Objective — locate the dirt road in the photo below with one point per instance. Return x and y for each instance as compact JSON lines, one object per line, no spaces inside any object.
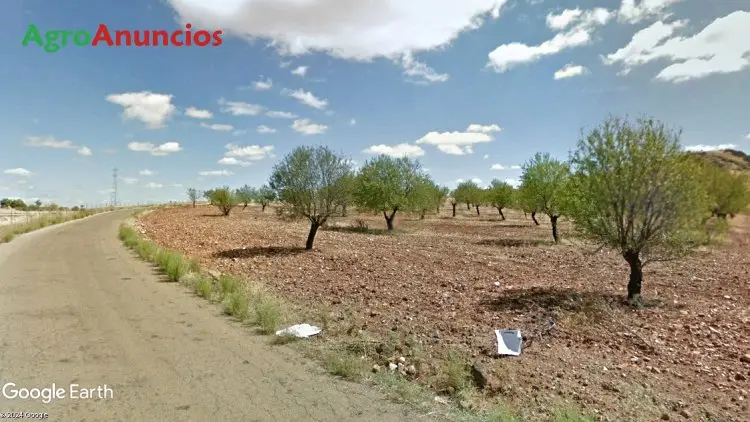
{"x":77,"y":308}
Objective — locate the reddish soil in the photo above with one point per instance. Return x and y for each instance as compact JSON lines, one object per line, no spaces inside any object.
{"x":449,"y":282}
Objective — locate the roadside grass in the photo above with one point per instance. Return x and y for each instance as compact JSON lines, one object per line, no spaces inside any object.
{"x":9,"y":232}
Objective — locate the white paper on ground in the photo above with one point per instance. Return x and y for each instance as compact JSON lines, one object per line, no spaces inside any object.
{"x":509,"y":342}
{"x":299,"y":330}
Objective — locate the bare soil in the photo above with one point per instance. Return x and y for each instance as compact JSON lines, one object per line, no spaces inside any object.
{"x":447,"y":283}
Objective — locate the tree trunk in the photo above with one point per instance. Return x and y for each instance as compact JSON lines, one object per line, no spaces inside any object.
{"x":533,"y":217}
{"x":500,"y":210}
{"x":263,"y":208}
{"x":244,"y":206}
{"x":477,"y":206}
{"x":553,"y":219}
{"x":311,"y":236}
{"x":525,"y":215}
{"x":421,"y":215}
{"x":193,"y":204}
{"x":636,"y":275}
{"x":468,"y":206}
{"x":454,"y":210}
{"x":343,"y":211}
{"x":389,"y":219}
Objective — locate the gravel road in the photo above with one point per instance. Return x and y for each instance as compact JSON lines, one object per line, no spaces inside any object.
{"x":77,"y":308}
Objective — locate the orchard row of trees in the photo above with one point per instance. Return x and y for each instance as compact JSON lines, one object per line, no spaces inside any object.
{"x":628,"y":186}
{"x":19,"y":204}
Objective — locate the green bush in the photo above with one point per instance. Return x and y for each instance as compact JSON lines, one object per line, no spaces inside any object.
{"x":267,"y":314}
{"x":237,"y":306}
{"x":227,"y":285}
{"x":203,"y":287}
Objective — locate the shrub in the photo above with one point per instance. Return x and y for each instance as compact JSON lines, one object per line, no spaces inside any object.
{"x":227,"y":285}
{"x":203,"y":287}
{"x":223,"y":199}
{"x":344,"y":365}
{"x":267,"y":314}
{"x":7,"y":237}
{"x":237,"y":306}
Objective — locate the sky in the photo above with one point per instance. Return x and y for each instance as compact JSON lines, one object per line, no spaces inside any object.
{"x":471,"y":88}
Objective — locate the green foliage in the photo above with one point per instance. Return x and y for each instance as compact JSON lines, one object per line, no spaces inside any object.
{"x":237,"y":306}
{"x":222,"y":198}
{"x":17,"y":204}
{"x":500,"y":194}
{"x":469,"y":193}
{"x":227,"y":285}
{"x":634,"y":189}
{"x":387,"y":184}
{"x":265,"y":195}
{"x":245,"y":195}
{"x":193,"y":195}
{"x":203,"y":287}
{"x":543,"y":184}
{"x":310,"y":181}
{"x":729,"y":193}
{"x":426,"y":195}
{"x":267,"y":314}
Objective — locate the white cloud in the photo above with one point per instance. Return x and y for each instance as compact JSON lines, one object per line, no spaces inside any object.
{"x":18,"y":172}
{"x":400,"y":150}
{"x":475,"y":128}
{"x":460,"y":143}
{"x":150,"y":108}
{"x":580,"y":33}
{"x":564,"y":19}
{"x":129,"y":180}
{"x":158,"y":150}
{"x":238,"y":108}
{"x":239,"y":132}
{"x":345,"y":29}
{"x":513,"y":182}
{"x":216,"y":173}
{"x":153,"y":185}
{"x":146,"y":172}
{"x":721,"y":47}
{"x":231,"y":161}
{"x":250,"y":152}
{"x":281,"y":115}
{"x":570,"y":70}
{"x":631,"y":12}
{"x":51,"y":142}
{"x":705,"y":148}
{"x":502,"y":167}
{"x":218,"y":127}
{"x":424,"y":74}
{"x":477,"y":180}
{"x":263,"y":85}
{"x":197,"y":113}
{"x":352,"y":122}
{"x":307,"y":98}
{"x":306,"y":127}
{"x":486,"y":156}
{"x":300,"y":71}
{"x":265,"y":129}
{"x":748,"y":136}
{"x":176,"y":185}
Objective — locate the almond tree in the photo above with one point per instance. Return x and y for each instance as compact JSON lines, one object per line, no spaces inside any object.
{"x":265,"y":195}
{"x":222,"y":198}
{"x":245,"y":195}
{"x":729,"y":193}
{"x":193,"y":195}
{"x":385,"y":184}
{"x":500,"y":195}
{"x":634,"y":190}
{"x":309,"y":181}
{"x":543,"y":183}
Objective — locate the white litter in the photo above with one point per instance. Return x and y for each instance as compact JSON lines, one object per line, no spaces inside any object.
{"x":299,"y":330}
{"x":509,"y":342}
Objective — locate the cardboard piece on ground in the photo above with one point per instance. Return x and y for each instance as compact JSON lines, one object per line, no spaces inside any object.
{"x":509,"y":342}
{"x":299,"y":330}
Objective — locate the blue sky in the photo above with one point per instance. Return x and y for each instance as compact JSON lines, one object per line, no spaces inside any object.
{"x":462,"y":86}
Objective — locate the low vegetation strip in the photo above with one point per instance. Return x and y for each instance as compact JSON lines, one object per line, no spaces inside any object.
{"x":10,"y":231}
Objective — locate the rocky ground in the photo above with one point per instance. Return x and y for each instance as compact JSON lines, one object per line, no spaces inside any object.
{"x":446,"y":283}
